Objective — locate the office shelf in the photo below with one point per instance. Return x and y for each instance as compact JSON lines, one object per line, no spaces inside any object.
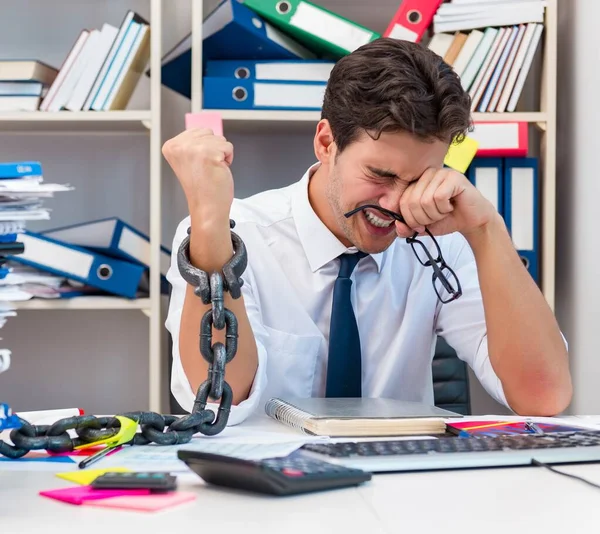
{"x":75,"y":121}
{"x":286,"y":118}
{"x":84,"y":303}
{"x":525,"y":116}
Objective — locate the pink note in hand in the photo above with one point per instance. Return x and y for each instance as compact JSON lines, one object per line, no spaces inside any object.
{"x":147,"y":503}
{"x":205,"y":119}
{"x":83,"y":494}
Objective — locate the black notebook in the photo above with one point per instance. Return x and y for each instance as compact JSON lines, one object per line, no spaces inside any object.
{"x":359,"y":416}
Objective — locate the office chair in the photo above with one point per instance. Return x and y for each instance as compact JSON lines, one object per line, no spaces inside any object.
{"x":450,"y":380}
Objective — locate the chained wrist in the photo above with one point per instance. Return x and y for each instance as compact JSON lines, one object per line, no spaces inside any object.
{"x":210,"y":287}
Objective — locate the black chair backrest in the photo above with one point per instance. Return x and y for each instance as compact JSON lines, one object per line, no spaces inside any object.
{"x":450,"y":380}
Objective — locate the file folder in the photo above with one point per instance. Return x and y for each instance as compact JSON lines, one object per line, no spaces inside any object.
{"x":521,"y":209}
{"x":487,"y":175}
{"x":412,"y":19}
{"x":113,"y":237}
{"x":303,"y":70}
{"x":230,"y":31}
{"x":20,"y":169}
{"x":102,"y":272}
{"x":324,"y":32}
{"x":231,"y":93}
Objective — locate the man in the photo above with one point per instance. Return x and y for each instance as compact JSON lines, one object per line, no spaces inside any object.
{"x":390,"y":111}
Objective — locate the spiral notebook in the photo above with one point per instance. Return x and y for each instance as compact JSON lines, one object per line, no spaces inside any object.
{"x":340,"y":417}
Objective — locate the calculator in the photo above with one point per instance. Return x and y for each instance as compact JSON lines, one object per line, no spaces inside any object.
{"x":154,"y":481}
{"x":275,"y":476}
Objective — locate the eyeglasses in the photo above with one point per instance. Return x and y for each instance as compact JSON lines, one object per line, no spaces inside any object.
{"x":444,"y":279}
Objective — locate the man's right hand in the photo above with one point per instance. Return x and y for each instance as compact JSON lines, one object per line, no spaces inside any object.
{"x":201,"y":163}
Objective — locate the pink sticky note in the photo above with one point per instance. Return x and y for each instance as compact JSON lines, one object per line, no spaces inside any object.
{"x":82,"y":494}
{"x":146,"y":503}
{"x":205,"y":119}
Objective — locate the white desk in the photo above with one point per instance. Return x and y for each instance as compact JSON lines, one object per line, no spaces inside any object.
{"x":513,"y":500}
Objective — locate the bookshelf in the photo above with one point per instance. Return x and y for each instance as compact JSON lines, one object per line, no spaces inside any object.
{"x":115,"y":123}
{"x":76,"y":121}
{"x":544,"y":120}
{"x":86,"y":303}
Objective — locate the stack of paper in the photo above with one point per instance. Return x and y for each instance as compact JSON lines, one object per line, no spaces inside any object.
{"x":22,"y":194}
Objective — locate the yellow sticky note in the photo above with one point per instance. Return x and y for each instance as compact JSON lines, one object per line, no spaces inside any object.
{"x":460,"y":155}
{"x":86,"y":476}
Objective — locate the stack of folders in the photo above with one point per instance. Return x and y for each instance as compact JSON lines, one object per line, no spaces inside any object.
{"x":100,"y":257}
{"x":264,"y":54}
{"x":102,"y":68}
{"x":491,"y":45}
{"x":508,"y":178}
{"x":22,"y":194}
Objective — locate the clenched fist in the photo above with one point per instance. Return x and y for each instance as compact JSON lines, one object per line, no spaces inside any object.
{"x":201,"y":163}
{"x":444,"y":201}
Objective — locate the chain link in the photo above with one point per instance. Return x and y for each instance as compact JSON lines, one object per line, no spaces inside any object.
{"x":154,"y":427}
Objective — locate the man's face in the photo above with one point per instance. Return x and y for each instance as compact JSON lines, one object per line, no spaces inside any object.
{"x":377,"y":172}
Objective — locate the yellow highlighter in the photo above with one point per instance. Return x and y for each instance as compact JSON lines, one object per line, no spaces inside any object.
{"x":460,"y":155}
{"x":124,"y":436}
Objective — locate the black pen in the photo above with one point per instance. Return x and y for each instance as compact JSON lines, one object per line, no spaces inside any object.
{"x":98,"y":456}
{"x":530,"y":425}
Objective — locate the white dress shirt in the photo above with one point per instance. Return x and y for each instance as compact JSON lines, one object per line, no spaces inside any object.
{"x":288,"y":291}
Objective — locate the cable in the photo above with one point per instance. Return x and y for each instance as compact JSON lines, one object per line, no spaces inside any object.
{"x":554,"y":470}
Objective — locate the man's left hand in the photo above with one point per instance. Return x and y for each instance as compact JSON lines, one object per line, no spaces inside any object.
{"x":444,"y":201}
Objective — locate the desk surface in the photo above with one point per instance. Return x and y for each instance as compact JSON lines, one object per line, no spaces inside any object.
{"x":528,"y":499}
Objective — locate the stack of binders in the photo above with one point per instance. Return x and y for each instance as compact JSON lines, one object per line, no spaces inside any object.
{"x":102,"y":257}
{"x":265,"y":54}
{"x":509,"y":179}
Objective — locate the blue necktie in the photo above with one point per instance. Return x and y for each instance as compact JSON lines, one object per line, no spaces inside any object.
{"x":344,"y":375}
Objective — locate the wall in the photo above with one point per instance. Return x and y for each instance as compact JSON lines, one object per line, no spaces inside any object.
{"x":578,"y":285}
{"x":98,"y":359}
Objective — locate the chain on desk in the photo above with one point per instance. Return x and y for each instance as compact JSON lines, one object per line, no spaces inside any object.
{"x":157,"y":428}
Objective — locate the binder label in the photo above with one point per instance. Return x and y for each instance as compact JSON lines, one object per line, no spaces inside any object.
{"x":522,"y":202}
{"x":56,"y":256}
{"x":400,"y":32}
{"x":486,"y":181}
{"x":329,"y":27}
{"x":286,"y":95}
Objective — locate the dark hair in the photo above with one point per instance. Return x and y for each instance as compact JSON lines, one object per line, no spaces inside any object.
{"x":391,"y":85}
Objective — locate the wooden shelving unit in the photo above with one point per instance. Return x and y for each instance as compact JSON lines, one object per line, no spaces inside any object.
{"x":77,"y":121}
{"x":86,"y":303}
{"x":146,"y":122}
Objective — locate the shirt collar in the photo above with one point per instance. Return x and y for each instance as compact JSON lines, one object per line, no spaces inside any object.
{"x":318,"y":242}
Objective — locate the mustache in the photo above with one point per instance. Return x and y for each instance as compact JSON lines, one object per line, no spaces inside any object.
{"x":389,"y":213}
